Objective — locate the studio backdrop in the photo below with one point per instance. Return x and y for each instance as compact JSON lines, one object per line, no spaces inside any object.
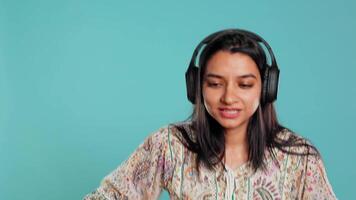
{"x":82,"y":83}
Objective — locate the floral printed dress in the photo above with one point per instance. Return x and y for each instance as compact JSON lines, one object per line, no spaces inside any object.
{"x":162,"y":162}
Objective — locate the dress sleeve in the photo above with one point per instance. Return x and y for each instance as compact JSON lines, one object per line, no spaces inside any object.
{"x":142,"y":175}
{"x":316,"y":183}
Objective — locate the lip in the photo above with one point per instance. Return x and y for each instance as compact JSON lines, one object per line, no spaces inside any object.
{"x":229,"y":108}
{"x":223,"y":112}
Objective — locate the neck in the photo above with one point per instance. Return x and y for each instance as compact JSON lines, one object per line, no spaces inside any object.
{"x":236,"y":147}
{"x":236,"y":139}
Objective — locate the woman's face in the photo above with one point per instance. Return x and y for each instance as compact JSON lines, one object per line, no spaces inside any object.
{"x":231,"y":89}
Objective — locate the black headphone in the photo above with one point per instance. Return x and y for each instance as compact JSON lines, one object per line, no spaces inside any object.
{"x":270,"y":75}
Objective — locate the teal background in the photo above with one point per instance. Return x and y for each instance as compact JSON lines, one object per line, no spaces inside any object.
{"x":84,"y":82}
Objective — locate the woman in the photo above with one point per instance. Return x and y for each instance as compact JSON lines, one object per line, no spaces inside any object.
{"x":232,"y":146}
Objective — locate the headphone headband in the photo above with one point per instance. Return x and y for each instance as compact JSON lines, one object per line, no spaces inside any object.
{"x":218,"y":34}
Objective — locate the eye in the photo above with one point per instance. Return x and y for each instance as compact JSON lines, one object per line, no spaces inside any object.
{"x":246,"y":86}
{"x":214,"y":85}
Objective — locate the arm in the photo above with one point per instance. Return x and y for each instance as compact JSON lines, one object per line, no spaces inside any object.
{"x":316,"y":183}
{"x":142,"y":175}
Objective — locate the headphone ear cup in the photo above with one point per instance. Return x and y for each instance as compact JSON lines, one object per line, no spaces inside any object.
{"x":265,"y":85}
{"x":270,"y":84}
{"x":191,"y":76}
{"x":273,"y":79}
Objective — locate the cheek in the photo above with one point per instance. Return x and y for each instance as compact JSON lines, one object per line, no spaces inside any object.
{"x":208,"y":95}
{"x":209,"y":98}
{"x":254,"y":105}
{"x":254,"y":101}
{"x":208,"y":107}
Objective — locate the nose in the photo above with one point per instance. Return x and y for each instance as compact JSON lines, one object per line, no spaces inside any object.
{"x":230,"y":95}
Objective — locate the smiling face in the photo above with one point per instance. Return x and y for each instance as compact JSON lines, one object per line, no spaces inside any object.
{"x":231,"y":89}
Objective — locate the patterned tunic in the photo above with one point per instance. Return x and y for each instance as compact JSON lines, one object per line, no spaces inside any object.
{"x":162,"y":162}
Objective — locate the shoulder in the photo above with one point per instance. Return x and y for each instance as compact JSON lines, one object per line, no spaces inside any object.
{"x":287,"y":134}
{"x":166,"y":138}
{"x":294,"y":152}
{"x":169,"y":133}
{"x":302,"y":166}
{"x":295,"y":143}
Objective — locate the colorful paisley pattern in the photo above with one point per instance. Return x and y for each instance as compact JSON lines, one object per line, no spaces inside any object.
{"x":161,"y":162}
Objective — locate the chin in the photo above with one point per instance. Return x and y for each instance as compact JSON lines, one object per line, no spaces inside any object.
{"x":231,"y":123}
{"x":228,"y":123}
{"x":230,"y":126}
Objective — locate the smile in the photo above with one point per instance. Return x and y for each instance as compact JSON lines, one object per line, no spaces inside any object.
{"x":229,"y":113}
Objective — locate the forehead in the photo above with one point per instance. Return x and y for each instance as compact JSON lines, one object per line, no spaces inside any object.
{"x":227,"y":64}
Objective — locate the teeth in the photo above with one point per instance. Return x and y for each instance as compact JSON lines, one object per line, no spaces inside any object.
{"x":231,"y":111}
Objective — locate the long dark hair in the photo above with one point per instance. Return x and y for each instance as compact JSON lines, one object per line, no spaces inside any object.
{"x":205,"y":136}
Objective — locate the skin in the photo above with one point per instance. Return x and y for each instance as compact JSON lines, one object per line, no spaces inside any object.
{"x":232,"y":80}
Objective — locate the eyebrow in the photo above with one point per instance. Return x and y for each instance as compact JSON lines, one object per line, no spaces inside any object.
{"x":221,"y":77}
